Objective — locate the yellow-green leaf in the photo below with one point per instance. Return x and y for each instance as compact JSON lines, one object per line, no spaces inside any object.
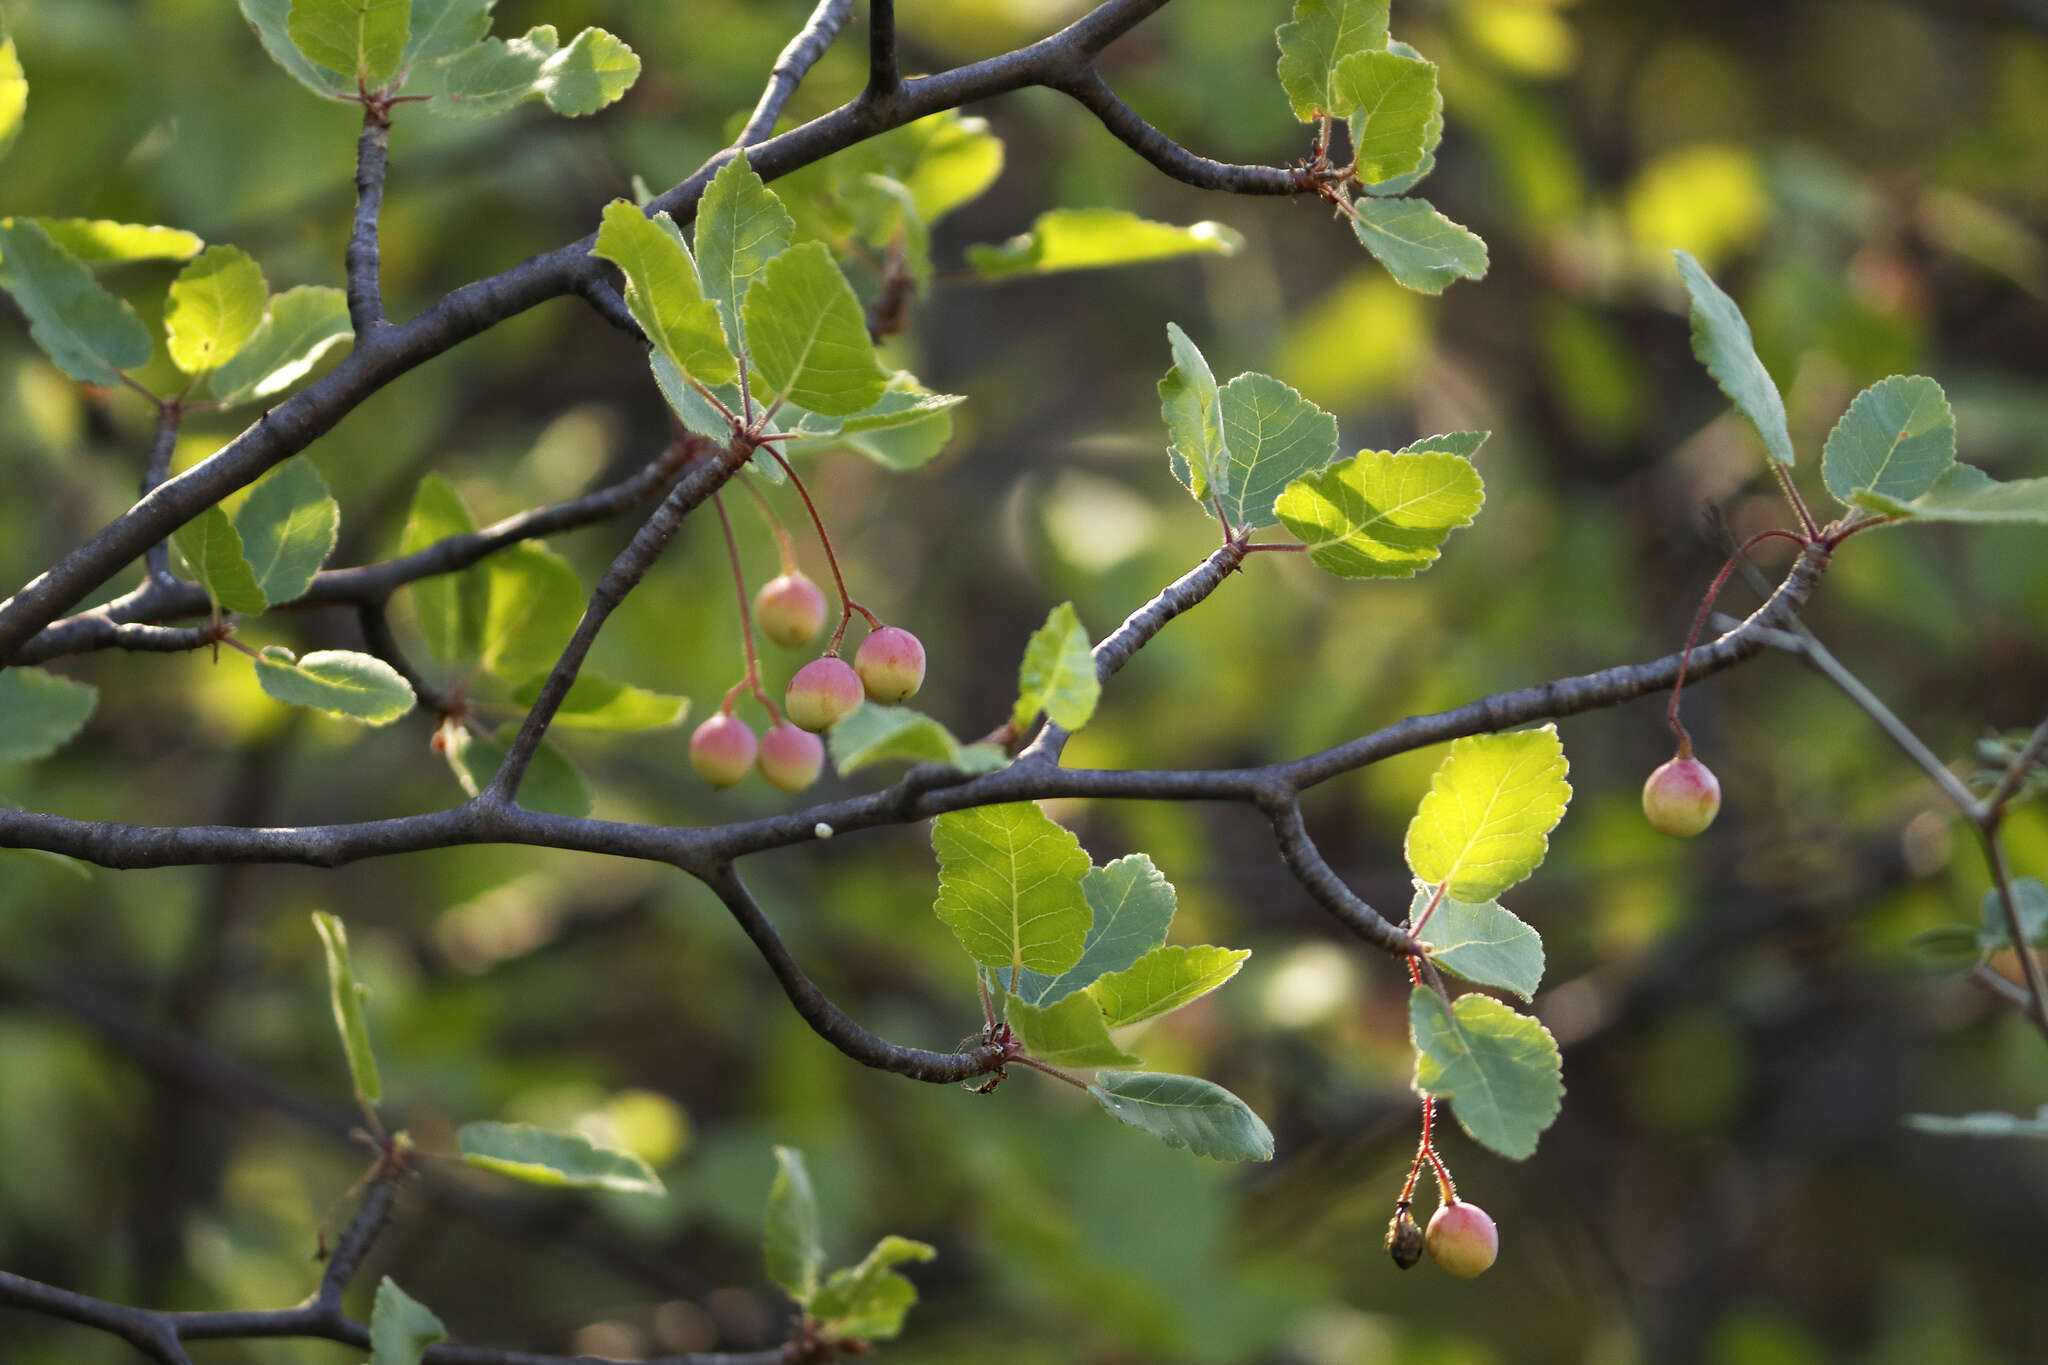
{"x":1485,"y":823}
{"x":216,"y":304}
{"x":1382,"y":515}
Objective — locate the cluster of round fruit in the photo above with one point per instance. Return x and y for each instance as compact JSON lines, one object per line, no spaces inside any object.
{"x":1461,"y":1239}
{"x":888,"y":667}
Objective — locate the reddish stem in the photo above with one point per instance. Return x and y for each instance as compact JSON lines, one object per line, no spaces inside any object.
{"x":1699,"y":621}
{"x":1798,"y":503}
{"x":752,"y":680}
{"x":847,"y":606}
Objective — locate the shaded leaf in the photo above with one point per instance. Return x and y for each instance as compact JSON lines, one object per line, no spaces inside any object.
{"x":212,"y":550}
{"x":1272,"y":436}
{"x":1722,"y":341}
{"x":1895,"y":441}
{"x":451,"y":607}
{"x":1380,"y":515}
{"x":540,"y":1157}
{"x":1322,"y":34}
{"x":1482,"y":943}
{"x":1967,"y":494}
{"x":270,"y":18}
{"x":1982,"y":1124}
{"x":869,"y":1300}
{"x":1192,"y":404}
{"x":663,"y":293}
{"x":1010,"y":887}
{"x":98,"y":241}
{"x":362,"y":40}
{"x":1058,"y":673}
{"x":401,"y":1327}
{"x":807,"y":336}
{"x":287,"y":525}
{"x":492,"y":77}
{"x":346,"y":994}
{"x":358,"y":687}
{"x":1091,"y":239}
{"x":1500,"y":1070}
{"x":741,"y":226}
{"x":2030,"y":902}
{"x":443,"y":28}
{"x":1069,"y":1033}
{"x":551,"y":785}
{"x":40,"y":712}
{"x":1164,"y":980}
{"x":303,"y":324}
{"x":1420,"y":247}
{"x":594,"y":70}
{"x":789,"y":1234}
{"x":91,"y":335}
{"x":215,"y":306}
{"x":1185,"y":1111}
{"x":1132,"y":904}
{"x":875,"y":733}
{"x":536,"y":602}
{"x":596,"y":703}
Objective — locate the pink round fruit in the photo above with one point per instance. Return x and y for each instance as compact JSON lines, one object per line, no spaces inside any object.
{"x":790,"y":608}
{"x":1682,"y":797}
{"x":890,"y":663}
{"x":1462,"y":1239}
{"x":822,"y":691}
{"x":722,"y":749}
{"x":791,"y":759}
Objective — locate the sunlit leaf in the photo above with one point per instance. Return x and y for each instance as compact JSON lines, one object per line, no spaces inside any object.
{"x":869,"y":1300}
{"x":540,"y":1157}
{"x":1722,"y":341}
{"x":1010,"y":887}
{"x":302,"y":325}
{"x":594,"y":70}
{"x":1393,"y":102}
{"x":1185,"y":1111}
{"x":40,"y":712}
{"x":499,"y":74}
{"x":1499,"y":1069}
{"x":807,"y":336}
{"x":1380,"y":515}
{"x":1485,"y":822}
{"x":1090,"y":239}
{"x":91,"y":335}
{"x":663,"y":292}
{"x":345,"y":994}
{"x":741,"y":226}
{"x":99,"y":241}
{"x":351,"y":686}
{"x":287,"y":525}
{"x":1272,"y":436}
{"x":212,"y":551}
{"x":1058,"y":673}
{"x":451,"y":607}
{"x":1322,"y":34}
{"x":13,"y":90}
{"x":1164,"y":980}
{"x":215,"y":306}
{"x":362,"y":40}
{"x":1068,"y":1033}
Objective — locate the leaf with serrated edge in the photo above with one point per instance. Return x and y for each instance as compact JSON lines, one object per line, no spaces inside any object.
{"x":552,"y":785}
{"x":215,"y":306}
{"x":1164,"y":980}
{"x":1485,"y":822}
{"x":91,"y":335}
{"x":1058,"y":673}
{"x":345,"y":994}
{"x":451,"y":607}
{"x":663,"y":292}
{"x":1896,"y":441}
{"x":1464,"y":444}
{"x":357,"y":687}
{"x":1380,"y":515}
{"x":1192,"y":405}
{"x":598,"y":704}
{"x":1983,"y":1124}
{"x":360,"y":39}
{"x":875,"y":733}
{"x":869,"y":1300}
{"x":287,"y":525}
{"x":1721,"y":340}
{"x":1272,"y":436}
{"x":495,"y":75}
{"x":1484,"y":943}
{"x":1132,"y":904}
{"x":40,"y":712}
{"x":1069,"y":1033}
{"x":1967,"y":494}
{"x":591,"y":72}
{"x":807,"y":336}
{"x":401,"y":1327}
{"x":1185,"y":1111}
{"x":270,"y":19}
{"x":99,"y":241}
{"x":1394,"y":100}
{"x":541,"y":1157}
{"x":212,"y":549}
{"x":1010,"y":887}
{"x":536,"y":602}
{"x":443,"y":28}
{"x":302,"y":325}
{"x":1420,"y":248}
{"x":1323,"y":34}
{"x":1500,"y":1070}
{"x":741,"y":226}
{"x":1095,"y":239}
{"x":789,"y":1231}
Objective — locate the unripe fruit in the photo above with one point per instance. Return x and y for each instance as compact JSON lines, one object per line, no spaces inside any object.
{"x":890,"y":663}
{"x":790,"y":608}
{"x":1404,"y":1240}
{"x":722,"y":750}
{"x":1462,"y":1239}
{"x":822,"y":691}
{"x":791,"y":759}
{"x":1682,"y":797}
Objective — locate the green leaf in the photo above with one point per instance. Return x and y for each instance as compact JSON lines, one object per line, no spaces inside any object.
{"x":741,"y":226}
{"x":944,"y":159}
{"x":540,"y":1157}
{"x":1092,"y":239}
{"x":401,"y":1327}
{"x":596,"y":703}
{"x":536,"y":603}
{"x":90,"y":334}
{"x":40,"y":712}
{"x":215,"y":306}
{"x":212,"y":549}
{"x":807,"y":337}
{"x":1393,"y":101}
{"x":789,"y":1233}
{"x":345,"y":994}
{"x":1895,"y":441}
{"x":2030,"y":900}
{"x":1272,"y":436}
{"x":1432,"y":138}
{"x":1485,"y":822}
{"x":287,"y":525}
{"x":907,"y":426}
{"x":1420,"y":248}
{"x":1323,"y":34}
{"x":1132,"y":904}
{"x":1483,"y":943}
{"x":1380,"y":515}
{"x":443,"y":28}
{"x":1070,"y":1033}
{"x":1192,"y":405}
{"x":1722,"y":341}
{"x":363,"y":40}
{"x":875,"y":733}
{"x":663,"y":293}
{"x":1982,"y":1124}
{"x":13,"y":90}
{"x":451,"y":607}
{"x":1010,"y":887}
{"x":1500,"y":1070}
{"x":1058,"y":673}
{"x":1164,"y":980}
{"x":869,"y":1300}
{"x":358,"y":687}
{"x":492,"y":77}
{"x":593,"y":71}
{"x":1185,"y":1111}
{"x":552,"y":785}
{"x":99,"y":241}
{"x":1464,"y":444}
{"x":303,"y":324}
{"x":271,"y":19}
{"x":1967,"y":494}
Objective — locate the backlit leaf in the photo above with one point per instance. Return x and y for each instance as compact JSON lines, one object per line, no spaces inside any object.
{"x":540,"y":1157}
{"x":40,"y":712}
{"x":1392,"y":101}
{"x":1058,"y":673}
{"x":598,"y":704}
{"x":13,"y":90}
{"x":442,"y":28}
{"x":1485,"y":823}
{"x":270,"y":19}
{"x":869,"y":1300}
{"x":1132,"y":904}
{"x":91,"y":335}
{"x":351,"y":686}
{"x":536,"y":602}
{"x":215,"y":306}
{"x":212,"y":550}
{"x":1010,"y":887}
{"x":98,"y":241}
{"x":362,"y":40}
{"x":807,"y":336}
{"x":1091,"y":239}
{"x":287,"y":525}
{"x":663,"y":292}
{"x":451,"y":607}
{"x":1164,"y":980}
{"x":1192,"y":404}
{"x":594,"y":70}
{"x":790,"y":1229}
{"x":401,"y":1327}
{"x":1322,"y":34}
{"x":1068,"y":1033}
{"x":550,"y":785}
{"x":303,"y":324}
{"x":1380,"y":515}
{"x":345,"y":994}
{"x":875,"y":733}
{"x":741,"y":226}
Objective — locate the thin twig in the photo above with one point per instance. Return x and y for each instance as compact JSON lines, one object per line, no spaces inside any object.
{"x":365,"y":286}
{"x":794,"y":63}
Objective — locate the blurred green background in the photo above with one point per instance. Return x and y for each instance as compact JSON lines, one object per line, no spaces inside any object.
{"x":1743,"y":1024}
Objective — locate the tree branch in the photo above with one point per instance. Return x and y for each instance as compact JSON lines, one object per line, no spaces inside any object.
{"x":365,"y":289}
{"x":1320,"y":880}
{"x":794,"y":63}
{"x":154,"y":471}
{"x":884,"y":76}
{"x":1093,"y":94}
